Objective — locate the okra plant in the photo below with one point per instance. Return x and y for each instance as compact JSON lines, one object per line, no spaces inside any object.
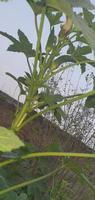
{"x":77,"y":35}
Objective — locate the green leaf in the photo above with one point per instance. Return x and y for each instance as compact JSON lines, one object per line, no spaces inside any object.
{"x":22,"y":37}
{"x":36,"y":6}
{"x":88,"y":33}
{"x":60,"y":5}
{"x":8,"y":36}
{"x":83,"y":50}
{"x":81,"y":38}
{"x":90,"y":101}
{"x":9,"y":140}
{"x":50,"y":99}
{"x":83,"y":68}
{"x":51,"y":41}
{"x":54,"y":19}
{"x":59,"y":114}
{"x":22,"y":46}
{"x":19,"y":82}
{"x":62,"y":59}
{"x":88,"y":16}
{"x":12,"y":76}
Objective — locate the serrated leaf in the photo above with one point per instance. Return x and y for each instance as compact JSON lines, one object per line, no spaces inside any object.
{"x":88,"y":33}
{"x":22,"y":46}
{"x":8,"y":36}
{"x":22,"y":37}
{"x":9,"y":140}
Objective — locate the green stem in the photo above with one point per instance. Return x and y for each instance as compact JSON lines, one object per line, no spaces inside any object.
{"x":39,"y":40}
{"x":48,"y":154}
{"x":18,"y":121}
{"x":68,"y":66}
{"x":36,"y":25}
{"x":26,"y":183}
{"x":53,"y":107}
{"x":54,"y":52}
{"x":29,"y":66}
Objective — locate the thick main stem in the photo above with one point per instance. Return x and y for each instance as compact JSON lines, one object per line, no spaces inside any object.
{"x":21,"y":116}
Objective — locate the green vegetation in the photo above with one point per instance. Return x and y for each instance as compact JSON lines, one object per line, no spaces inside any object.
{"x":78,"y":28}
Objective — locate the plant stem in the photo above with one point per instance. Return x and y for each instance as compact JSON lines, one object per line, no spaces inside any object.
{"x":47,"y":154}
{"x":17,"y":123}
{"x":39,"y":41}
{"x":20,"y":117}
{"x":26,"y":183}
{"x":53,"y":107}
{"x":36,"y":25}
{"x":29,"y":66}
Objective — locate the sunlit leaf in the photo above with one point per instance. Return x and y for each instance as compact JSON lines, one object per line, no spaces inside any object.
{"x":9,"y":140}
